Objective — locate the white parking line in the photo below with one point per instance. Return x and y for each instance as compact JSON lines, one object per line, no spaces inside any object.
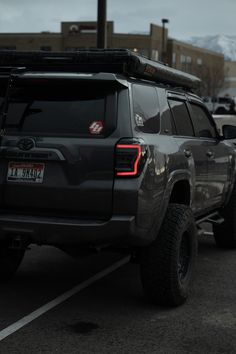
{"x":58,"y":300}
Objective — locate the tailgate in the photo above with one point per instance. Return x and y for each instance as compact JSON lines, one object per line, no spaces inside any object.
{"x":72,"y":177}
{"x":58,"y":151}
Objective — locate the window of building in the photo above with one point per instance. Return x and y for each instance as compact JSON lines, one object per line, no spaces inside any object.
{"x":8,"y":47}
{"x":173,"y":58}
{"x":201,"y":122}
{"x":46,"y":48}
{"x":181,"y":118}
{"x":182,"y":59}
{"x":146,"y":109}
{"x":72,"y":49}
{"x":188,"y":60}
{"x":154,"y":54}
{"x":199,"y":61}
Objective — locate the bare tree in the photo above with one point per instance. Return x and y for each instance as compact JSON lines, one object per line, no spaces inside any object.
{"x":213,"y":78}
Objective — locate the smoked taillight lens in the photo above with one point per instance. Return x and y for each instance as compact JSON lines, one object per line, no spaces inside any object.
{"x":130,"y":159}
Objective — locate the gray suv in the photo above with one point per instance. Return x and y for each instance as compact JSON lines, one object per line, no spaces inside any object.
{"x":105,"y":149}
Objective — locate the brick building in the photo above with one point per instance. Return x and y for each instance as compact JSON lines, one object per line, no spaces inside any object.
{"x":229,"y":88}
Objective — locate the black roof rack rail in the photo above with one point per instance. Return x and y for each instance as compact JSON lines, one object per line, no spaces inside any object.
{"x":5,"y":71}
{"x":121,"y":61}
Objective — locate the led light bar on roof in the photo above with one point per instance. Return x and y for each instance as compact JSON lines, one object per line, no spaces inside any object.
{"x":121,"y":61}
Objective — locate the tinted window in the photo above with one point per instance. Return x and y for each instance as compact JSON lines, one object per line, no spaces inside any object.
{"x":146,"y":108}
{"x":224,"y":100}
{"x":181,"y":118}
{"x":202,"y":125}
{"x":3,"y":87}
{"x":57,"y":107}
{"x":167,"y":123}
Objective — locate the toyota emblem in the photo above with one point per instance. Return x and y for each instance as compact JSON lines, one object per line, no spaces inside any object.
{"x":26,"y":144}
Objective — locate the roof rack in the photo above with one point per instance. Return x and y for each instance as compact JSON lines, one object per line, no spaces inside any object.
{"x":121,"y":61}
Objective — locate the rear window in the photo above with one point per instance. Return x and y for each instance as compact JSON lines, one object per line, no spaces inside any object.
{"x":56,"y":107}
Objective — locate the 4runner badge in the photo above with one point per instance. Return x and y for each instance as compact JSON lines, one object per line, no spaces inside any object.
{"x":96,"y":127}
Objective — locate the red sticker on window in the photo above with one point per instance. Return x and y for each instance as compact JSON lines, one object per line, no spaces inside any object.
{"x":96,"y":127}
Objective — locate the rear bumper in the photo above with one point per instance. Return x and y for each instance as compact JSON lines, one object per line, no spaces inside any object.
{"x":59,"y":232}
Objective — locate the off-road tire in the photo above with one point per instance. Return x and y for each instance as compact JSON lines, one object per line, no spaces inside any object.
{"x":10,"y":260}
{"x":225,"y":233}
{"x":167,"y":264}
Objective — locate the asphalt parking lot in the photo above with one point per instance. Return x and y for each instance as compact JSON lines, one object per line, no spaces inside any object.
{"x":111,"y":315}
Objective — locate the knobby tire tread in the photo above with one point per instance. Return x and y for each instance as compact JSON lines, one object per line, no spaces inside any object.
{"x":158,"y":268}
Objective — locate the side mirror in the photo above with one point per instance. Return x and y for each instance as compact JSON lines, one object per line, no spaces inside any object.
{"x":229,"y":131}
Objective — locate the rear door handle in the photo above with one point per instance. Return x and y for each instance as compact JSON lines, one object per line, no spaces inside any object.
{"x":187,"y":153}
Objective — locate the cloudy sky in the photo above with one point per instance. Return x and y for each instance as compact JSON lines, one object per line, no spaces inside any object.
{"x":187,"y":18}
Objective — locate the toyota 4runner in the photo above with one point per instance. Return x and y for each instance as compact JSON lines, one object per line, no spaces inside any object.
{"x":105,"y":149}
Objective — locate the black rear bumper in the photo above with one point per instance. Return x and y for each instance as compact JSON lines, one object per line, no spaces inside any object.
{"x":69,"y":232}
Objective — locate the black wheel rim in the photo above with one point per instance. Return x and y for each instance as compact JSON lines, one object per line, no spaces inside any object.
{"x":184,"y":257}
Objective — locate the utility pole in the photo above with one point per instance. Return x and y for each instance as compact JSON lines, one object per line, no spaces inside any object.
{"x":102,"y":24}
{"x":163,"y":42}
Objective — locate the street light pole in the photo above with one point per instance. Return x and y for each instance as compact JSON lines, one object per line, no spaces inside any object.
{"x":163,"y":42}
{"x":101,"y":24}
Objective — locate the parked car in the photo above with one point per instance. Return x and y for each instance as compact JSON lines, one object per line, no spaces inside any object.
{"x":222,"y":120}
{"x":105,"y":149}
{"x":221,"y":105}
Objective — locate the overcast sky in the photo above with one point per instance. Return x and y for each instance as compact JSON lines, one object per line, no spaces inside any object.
{"x":187,"y":18}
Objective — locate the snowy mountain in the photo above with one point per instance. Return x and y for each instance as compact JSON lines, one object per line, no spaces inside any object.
{"x":220,"y":43}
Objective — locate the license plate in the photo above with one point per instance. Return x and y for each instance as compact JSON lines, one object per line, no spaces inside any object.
{"x":25,"y":172}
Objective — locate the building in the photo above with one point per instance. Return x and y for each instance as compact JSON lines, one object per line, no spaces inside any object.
{"x":189,"y":58}
{"x":31,"y":41}
{"x":229,"y":88}
{"x":77,"y":35}
{"x":206,"y":64}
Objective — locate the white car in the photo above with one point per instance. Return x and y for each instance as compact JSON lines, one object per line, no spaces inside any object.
{"x":221,"y":105}
{"x":224,"y":119}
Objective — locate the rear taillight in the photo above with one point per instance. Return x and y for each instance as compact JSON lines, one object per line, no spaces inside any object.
{"x":130,"y":159}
